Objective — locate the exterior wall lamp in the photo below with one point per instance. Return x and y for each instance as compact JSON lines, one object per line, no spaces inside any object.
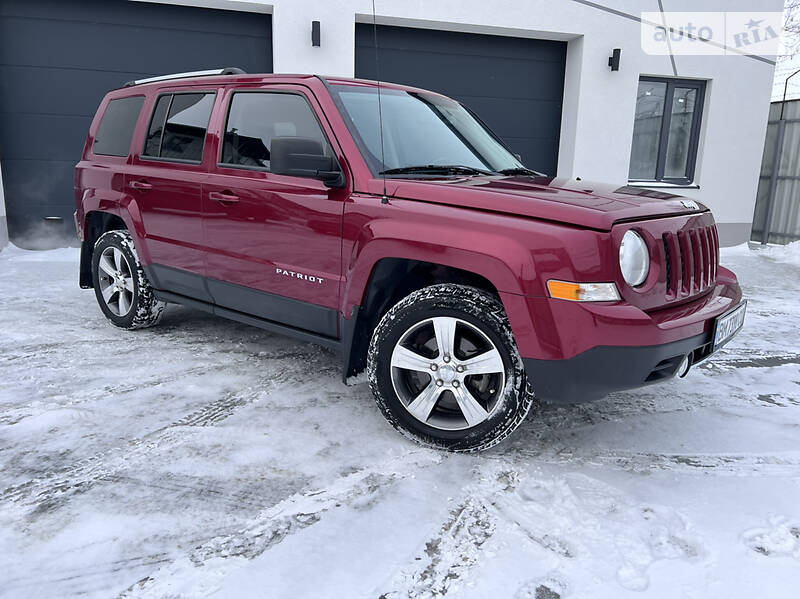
{"x":613,"y":60}
{"x":315,"y":33}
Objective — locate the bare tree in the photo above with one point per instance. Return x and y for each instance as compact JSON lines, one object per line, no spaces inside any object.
{"x":791,"y":27}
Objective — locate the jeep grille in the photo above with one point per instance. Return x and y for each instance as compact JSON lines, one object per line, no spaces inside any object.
{"x":691,"y":257}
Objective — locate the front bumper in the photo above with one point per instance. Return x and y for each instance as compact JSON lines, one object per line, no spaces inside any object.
{"x":605,"y":369}
{"x":575,"y":352}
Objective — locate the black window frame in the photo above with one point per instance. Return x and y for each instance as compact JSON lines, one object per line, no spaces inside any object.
{"x":263,"y":169}
{"x":133,"y":131}
{"x":172,"y":94}
{"x":694,"y":140}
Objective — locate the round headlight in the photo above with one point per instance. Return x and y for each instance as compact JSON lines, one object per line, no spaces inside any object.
{"x":634,"y":258}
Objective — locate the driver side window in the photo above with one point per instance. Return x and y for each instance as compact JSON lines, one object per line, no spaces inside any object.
{"x":256,"y":118}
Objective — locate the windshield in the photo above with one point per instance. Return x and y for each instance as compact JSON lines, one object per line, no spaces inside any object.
{"x":420,"y":130}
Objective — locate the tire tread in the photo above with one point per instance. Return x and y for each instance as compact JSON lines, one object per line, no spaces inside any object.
{"x":148,"y":308}
{"x":478,"y":303}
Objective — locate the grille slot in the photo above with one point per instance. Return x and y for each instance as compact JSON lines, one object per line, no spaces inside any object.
{"x":691,"y":259}
{"x":668,"y":262}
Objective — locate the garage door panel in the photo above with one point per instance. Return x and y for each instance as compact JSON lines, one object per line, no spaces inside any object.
{"x":32,"y":42}
{"x":486,"y":76}
{"x":33,"y":184}
{"x":467,"y":44}
{"x":44,"y":136}
{"x":87,"y":88}
{"x":536,"y":119}
{"x":534,"y":152}
{"x":172,"y":51}
{"x":111,"y":12}
{"x":515,"y":85}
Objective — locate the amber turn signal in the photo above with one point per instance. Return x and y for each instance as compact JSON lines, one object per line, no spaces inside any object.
{"x":583,"y":292}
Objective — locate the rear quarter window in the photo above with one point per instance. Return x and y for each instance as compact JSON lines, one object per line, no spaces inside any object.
{"x":115,"y":133}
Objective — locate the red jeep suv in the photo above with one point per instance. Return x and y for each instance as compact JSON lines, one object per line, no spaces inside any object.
{"x":389,"y":223}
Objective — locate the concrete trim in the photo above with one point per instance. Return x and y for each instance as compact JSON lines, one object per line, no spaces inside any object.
{"x":466,"y":28}
{"x":3,"y":232}
{"x":570,"y":108}
{"x":3,"y":220}
{"x":733,"y":233}
{"x":238,"y":5}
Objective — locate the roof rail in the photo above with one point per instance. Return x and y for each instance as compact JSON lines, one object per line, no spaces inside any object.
{"x":225,"y":71}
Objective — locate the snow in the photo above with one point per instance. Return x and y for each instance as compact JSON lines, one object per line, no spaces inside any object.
{"x":790,"y":253}
{"x":206,"y":458}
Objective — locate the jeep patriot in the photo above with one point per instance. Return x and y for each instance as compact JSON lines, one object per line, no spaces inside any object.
{"x":389,"y":223}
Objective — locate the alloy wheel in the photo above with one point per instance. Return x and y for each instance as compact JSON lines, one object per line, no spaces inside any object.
{"x":448,"y":373}
{"x":116,"y":281}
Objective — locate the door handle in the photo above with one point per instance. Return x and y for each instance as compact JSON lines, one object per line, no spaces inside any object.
{"x":225,"y":197}
{"x":140,"y":185}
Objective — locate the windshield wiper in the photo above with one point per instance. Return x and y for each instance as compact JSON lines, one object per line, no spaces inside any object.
{"x":455,"y":169}
{"x":520,"y":170}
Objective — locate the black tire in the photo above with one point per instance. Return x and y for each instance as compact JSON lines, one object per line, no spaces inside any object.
{"x":474,"y":307}
{"x":144,"y":309}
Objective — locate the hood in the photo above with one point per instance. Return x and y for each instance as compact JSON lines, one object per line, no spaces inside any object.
{"x":584,"y":203}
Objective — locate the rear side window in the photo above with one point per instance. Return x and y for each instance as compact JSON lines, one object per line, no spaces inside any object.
{"x":116,"y":128}
{"x":178,"y":127}
{"x":255,"y":118}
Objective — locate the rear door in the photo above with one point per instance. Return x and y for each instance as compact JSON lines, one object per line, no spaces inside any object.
{"x":165,"y":182}
{"x":273,"y":241}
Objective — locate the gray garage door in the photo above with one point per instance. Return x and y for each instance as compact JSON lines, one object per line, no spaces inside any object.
{"x":515,"y":85}
{"x":57,"y":60}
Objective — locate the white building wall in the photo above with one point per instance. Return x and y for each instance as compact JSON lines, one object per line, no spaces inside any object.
{"x":598,"y":109}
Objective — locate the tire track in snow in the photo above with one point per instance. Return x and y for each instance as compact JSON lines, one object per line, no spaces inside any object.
{"x":457,"y":546}
{"x":220,"y":495}
{"x":718,"y":464}
{"x":749,"y":359}
{"x":83,"y":580}
{"x":47,"y":492}
{"x":449,"y":555}
{"x":19,"y":413}
{"x":193,"y":575}
{"x":574,"y":516}
{"x":546,"y":418}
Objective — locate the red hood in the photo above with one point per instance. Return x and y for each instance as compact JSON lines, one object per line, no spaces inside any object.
{"x":588,"y":204}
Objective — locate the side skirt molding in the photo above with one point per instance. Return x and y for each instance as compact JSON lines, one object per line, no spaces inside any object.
{"x":275,"y":327}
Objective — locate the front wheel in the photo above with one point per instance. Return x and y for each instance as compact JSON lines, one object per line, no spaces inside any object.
{"x":444,"y":368}
{"x":121,"y":285}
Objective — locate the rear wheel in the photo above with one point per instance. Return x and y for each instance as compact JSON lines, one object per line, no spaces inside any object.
{"x":121,"y":285}
{"x":445,"y":370}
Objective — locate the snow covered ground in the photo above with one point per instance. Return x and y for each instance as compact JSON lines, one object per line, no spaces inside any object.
{"x":207,"y":458}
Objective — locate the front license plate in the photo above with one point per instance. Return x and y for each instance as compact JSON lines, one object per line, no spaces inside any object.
{"x":729,"y":324}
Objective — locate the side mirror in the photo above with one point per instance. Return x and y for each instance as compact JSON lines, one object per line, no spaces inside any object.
{"x":303,"y":157}
{"x":518,"y":157}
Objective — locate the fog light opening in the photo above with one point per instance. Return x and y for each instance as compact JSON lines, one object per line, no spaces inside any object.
{"x":683,"y":368}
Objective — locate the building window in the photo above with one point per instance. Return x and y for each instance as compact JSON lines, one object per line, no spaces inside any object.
{"x":666,"y":130}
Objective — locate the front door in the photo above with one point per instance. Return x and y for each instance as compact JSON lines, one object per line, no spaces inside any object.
{"x":273,"y":240}
{"x":165,"y":181}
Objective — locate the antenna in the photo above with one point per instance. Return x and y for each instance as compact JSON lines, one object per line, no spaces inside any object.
{"x":384,"y":199}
